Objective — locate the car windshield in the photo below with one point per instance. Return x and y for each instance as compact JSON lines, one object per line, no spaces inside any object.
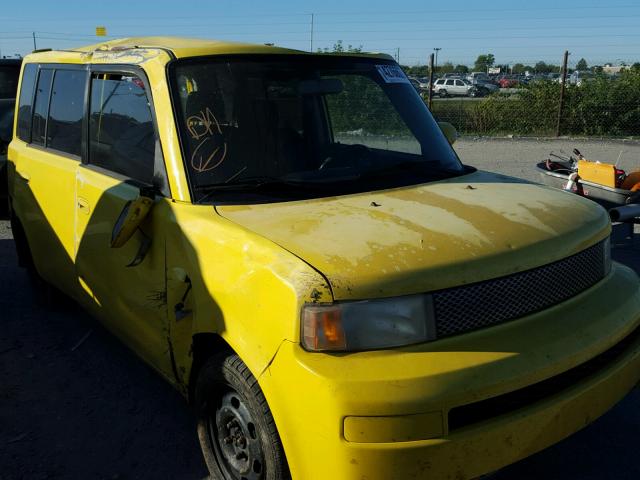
{"x":308,"y":125}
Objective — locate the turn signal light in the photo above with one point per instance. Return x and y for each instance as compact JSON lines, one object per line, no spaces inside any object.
{"x":322,"y":329}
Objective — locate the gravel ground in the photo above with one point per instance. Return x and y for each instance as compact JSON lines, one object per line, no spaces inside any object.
{"x":90,"y":409}
{"x":517,"y":156}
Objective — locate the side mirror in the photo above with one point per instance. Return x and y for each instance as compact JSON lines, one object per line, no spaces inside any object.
{"x":130,"y":218}
{"x":449,"y":131}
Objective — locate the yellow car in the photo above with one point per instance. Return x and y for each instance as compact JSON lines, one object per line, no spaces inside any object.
{"x":291,"y":241}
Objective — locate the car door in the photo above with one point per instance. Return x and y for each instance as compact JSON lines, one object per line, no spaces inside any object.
{"x":127,"y":284}
{"x":449,"y":86}
{"x":460,"y":88}
{"x":46,"y":155}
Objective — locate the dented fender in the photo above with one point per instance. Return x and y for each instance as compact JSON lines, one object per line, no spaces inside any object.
{"x":227,"y":280}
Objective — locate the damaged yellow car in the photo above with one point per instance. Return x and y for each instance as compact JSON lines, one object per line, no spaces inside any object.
{"x":291,"y":241}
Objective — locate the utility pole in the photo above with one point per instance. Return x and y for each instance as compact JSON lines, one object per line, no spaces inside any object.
{"x":35,"y":47}
{"x":430,"y":81}
{"x":436,"y":61}
{"x":563,"y":81}
{"x":311,"y":39}
{"x":398,"y":55}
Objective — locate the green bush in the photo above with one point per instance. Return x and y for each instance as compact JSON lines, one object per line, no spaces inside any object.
{"x":603,"y":106}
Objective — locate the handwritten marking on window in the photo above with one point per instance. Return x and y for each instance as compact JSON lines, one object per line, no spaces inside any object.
{"x":204,"y":126}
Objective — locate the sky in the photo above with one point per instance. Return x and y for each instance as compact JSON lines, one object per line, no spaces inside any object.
{"x":515,"y":32}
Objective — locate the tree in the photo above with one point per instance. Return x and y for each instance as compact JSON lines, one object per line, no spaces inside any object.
{"x":582,"y":64}
{"x":542,"y":67}
{"x":446,"y":67}
{"x":338,"y":47}
{"x":462,"y":69}
{"x":483,"y":62}
{"x":518,"y":68}
{"x":416,"y":70}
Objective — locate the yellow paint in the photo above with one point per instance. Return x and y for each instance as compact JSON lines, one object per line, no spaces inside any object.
{"x":249,"y":270}
{"x":428,"y":237}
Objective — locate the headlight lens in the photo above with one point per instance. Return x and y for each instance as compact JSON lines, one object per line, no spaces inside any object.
{"x":368,"y":324}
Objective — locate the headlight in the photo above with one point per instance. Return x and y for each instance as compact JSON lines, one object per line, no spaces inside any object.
{"x":368,"y":324}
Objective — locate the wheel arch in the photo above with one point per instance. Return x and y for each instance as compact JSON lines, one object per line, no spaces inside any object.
{"x":203,"y":347}
{"x":20,"y":239}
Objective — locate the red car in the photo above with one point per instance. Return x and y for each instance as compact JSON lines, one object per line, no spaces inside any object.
{"x":508,"y":82}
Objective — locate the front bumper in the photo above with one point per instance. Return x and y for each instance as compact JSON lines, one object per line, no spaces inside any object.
{"x":395,"y":413}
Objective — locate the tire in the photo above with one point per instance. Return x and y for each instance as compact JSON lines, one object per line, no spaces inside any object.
{"x":443,"y":93}
{"x":237,"y":433}
{"x":46,"y":295}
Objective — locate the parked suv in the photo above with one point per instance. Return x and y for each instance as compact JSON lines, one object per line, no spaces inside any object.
{"x":446,"y":87}
{"x":9,"y":74}
{"x":290,"y":240}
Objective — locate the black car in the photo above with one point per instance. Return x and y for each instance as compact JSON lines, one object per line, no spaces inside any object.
{"x":9,"y":74}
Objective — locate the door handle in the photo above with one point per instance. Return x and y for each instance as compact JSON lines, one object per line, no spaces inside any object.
{"x":23,"y":175}
{"x":83,"y":205}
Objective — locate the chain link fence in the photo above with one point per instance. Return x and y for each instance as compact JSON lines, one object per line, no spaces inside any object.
{"x":600,"y":105}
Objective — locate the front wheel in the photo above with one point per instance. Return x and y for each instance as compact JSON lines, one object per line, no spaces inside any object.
{"x":237,"y":433}
{"x":443,"y":93}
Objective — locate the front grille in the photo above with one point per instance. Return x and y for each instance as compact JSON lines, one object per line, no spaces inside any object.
{"x":483,"y":304}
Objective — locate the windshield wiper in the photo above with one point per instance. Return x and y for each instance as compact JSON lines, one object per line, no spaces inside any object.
{"x":249,"y":182}
{"x":252,"y":184}
{"x":429,"y":169}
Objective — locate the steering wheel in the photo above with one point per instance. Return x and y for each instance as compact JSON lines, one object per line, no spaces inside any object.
{"x":345,"y":156}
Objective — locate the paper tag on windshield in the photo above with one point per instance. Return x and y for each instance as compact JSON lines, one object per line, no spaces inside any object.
{"x":392,"y":74}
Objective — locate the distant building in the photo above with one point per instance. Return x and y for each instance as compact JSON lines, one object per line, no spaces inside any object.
{"x":611,"y":69}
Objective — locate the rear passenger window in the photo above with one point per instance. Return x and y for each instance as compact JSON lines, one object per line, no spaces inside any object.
{"x":41,"y":107}
{"x":121,"y":134}
{"x":25,"y":102}
{"x":64,"y":131}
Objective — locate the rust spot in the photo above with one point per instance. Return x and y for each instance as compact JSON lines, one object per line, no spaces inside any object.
{"x":316,"y":294}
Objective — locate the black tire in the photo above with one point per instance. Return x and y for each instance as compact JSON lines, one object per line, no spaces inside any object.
{"x":237,"y":433}
{"x":443,"y":93}
{"x":46,"y":295}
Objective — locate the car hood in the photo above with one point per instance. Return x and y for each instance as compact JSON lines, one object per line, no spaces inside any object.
{"x":428,"y":237}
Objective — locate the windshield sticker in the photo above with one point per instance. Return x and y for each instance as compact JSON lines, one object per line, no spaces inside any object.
{"x":392,"y":74}
{"x":212,"y":147}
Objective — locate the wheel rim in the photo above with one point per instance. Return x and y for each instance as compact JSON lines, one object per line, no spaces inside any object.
{"x":235,"y":439}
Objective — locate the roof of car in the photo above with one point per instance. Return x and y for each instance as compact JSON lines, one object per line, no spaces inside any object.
{"x":125,"y":50}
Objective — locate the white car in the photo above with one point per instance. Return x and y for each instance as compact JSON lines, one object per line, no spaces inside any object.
{"x":446,"y":87}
